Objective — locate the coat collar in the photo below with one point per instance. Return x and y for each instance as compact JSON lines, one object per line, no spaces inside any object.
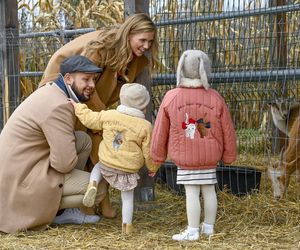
{"x":130,"y":111}
{"x":192,"y":83}
{"x":66,"y":88}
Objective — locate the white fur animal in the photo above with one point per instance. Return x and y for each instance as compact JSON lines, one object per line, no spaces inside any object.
{"x":190,"y":127}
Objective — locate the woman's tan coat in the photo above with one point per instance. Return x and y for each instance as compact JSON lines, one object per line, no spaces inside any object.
{"x":107,"y":87}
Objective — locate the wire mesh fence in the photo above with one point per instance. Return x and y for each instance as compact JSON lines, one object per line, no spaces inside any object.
{"x":254,"y":47}
{"x":34,"y":51}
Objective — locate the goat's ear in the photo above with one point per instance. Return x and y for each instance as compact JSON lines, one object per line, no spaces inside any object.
{"x":272,"y":102}
{"x":275,"y":101}
{"x":281,"y":154}
{"x":179,"y":68}
{"x":275,"y":105}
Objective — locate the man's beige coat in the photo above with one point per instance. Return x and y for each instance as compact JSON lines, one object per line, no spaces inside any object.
{"x":37,"y":147}
{"x":107,"y":87}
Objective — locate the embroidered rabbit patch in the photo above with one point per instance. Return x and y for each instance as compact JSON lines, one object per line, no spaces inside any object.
{"x":189,"y":126}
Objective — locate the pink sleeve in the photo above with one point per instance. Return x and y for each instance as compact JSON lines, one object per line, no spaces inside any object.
{"x":160,"y":135}
{"x":229,"y":137}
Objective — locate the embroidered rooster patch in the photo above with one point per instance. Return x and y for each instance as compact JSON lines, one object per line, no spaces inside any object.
{"x":190,"y":125}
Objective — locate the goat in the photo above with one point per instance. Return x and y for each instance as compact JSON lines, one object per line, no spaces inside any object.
{"x":284,"y":114}
{"x":280,"y":172}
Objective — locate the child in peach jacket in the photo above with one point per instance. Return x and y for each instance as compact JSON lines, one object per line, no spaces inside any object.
{"x":194,"y":128}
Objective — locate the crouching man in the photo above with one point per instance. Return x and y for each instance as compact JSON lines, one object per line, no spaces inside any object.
{"x":42,"y":157}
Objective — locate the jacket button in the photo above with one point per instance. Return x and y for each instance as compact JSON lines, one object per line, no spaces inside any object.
{"x":60,"y":185}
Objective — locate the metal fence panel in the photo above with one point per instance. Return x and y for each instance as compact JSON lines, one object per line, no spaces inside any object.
{"x":254,"y":49}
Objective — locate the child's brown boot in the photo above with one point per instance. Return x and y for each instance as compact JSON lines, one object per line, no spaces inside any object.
{"x":127,"y":228}
{"x":90,"y":194}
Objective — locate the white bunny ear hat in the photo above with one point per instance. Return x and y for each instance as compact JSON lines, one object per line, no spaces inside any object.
{"x":194,"y":68}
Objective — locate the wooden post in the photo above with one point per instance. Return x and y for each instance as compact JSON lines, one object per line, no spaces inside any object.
{"x":145,"y":189}
{"x":9,"y":58}
{"x":136,"y":6}
{"x":279,"y":59}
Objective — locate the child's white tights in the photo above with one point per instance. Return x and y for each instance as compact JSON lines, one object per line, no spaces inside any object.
{"x":126,"y":196}
{"x":96,"y":174}
{"x":193,"y":207}
{"x":127,"y":206}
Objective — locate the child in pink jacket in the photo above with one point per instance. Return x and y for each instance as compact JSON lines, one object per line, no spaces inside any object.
{"x":194,"y":128}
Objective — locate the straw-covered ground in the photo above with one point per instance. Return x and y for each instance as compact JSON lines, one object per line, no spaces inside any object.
{"x":254,"y":221}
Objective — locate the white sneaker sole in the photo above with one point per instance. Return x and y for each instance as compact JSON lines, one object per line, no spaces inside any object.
{"x":179,"y":237}
{"x":89,"y":197}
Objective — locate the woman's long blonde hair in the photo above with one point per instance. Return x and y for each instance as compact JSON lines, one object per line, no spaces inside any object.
{"x":115,"y":42}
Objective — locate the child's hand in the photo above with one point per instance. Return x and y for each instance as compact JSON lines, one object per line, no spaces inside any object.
{"x":71,"y":101}
{"x":151,"y":174}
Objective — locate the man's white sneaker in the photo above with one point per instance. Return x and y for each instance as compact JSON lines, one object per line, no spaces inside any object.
{"x":75,"y":216}
{"x":207,"y":229}
{"x":187,"y":235}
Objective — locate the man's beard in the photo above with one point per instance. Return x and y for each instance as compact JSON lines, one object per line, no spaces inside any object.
{"x":80,"y":97}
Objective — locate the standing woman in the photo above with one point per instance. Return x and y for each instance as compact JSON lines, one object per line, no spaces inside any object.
{"x":120,"y":51}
